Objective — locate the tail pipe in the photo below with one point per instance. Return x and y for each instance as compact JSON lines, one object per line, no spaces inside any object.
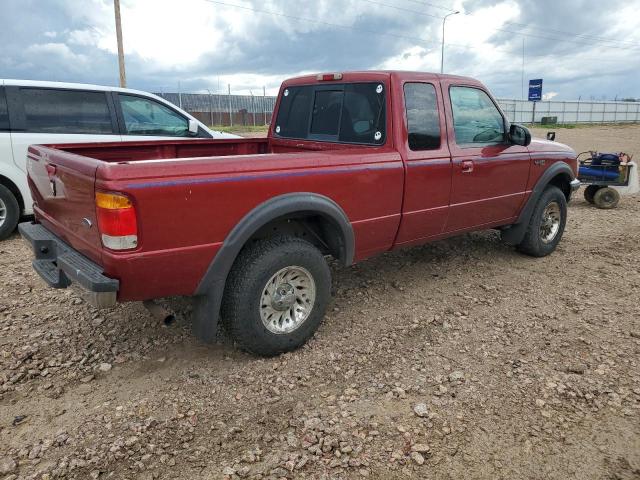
{"x":158,"y":312}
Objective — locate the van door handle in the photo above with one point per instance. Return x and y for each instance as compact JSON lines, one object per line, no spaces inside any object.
{"x":467,"y":166}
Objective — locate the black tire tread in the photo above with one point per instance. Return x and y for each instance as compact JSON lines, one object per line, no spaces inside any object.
{"x":13,"y":212}
{"x":531,"y":244}
{"x":240,"y":278}
{"x":600,"y":203}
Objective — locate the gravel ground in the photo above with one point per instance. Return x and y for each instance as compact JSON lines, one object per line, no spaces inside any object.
{"x":459,"y":359}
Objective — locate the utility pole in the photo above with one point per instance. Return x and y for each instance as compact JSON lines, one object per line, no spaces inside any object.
{"x":123,"y":75}
{"x":444,"y":19}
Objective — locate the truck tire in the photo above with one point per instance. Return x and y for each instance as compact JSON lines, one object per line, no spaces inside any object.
{"x":546,"y":224}
{"x":276,"y":295}
{"x":9,"y":212}
{"x":606,"y":198}
{"x":590,"y":191}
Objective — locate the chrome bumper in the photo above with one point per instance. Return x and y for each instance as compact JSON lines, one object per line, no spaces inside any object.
{"x":575,"y":184}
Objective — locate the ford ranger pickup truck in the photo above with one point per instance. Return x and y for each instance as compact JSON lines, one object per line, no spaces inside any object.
{"x":354,"y":165}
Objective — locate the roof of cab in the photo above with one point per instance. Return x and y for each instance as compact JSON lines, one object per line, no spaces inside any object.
{"x":377,"y":74}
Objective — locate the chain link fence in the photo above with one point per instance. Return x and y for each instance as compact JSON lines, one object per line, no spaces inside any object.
{"x":246,"y":110}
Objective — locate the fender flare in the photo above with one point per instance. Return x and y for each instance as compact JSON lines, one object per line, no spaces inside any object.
{"x":208,"y":295}
{"x":514,"y":234}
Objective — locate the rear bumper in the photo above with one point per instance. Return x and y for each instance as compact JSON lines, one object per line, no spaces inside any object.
{"x":60,"y":266}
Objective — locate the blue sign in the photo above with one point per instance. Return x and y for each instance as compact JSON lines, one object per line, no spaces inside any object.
{"x":535,"y":90}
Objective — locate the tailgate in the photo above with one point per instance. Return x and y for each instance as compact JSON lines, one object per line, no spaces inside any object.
{"x":62,"y":185}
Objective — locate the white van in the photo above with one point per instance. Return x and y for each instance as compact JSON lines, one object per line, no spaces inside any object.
{"x":34,"y":112}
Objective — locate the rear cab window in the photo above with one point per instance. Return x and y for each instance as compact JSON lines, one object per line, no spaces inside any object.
{"x":352,"y":113}
{"x":48,"y":110}
{"x":4,"y":111}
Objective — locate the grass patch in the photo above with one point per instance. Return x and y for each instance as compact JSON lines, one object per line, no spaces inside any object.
{"x":241,"y":128}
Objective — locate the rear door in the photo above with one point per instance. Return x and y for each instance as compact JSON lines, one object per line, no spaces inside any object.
{"x":428,"y":174}
{"x":6,"y":154}
{"x":489,"y":174}
{"x":42,"y":115}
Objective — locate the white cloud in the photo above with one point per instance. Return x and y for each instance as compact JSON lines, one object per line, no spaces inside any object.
{"x":549,"y":95}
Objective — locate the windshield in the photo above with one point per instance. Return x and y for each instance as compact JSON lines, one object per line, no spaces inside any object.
{"x":346,"y":113}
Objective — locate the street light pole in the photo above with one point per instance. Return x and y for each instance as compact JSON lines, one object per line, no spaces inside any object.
{"x":444,"y":19}
{"x":123,"y":75}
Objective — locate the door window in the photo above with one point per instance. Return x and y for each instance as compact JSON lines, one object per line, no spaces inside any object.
{"x":423,"y":121}
{"x":4,"y":112}
{"x":49,"y":110}
{"x":143,"y":116}
{"x":476,"y":119}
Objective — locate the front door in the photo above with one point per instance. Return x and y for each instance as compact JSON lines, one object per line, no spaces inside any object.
{"x":489,"y":174}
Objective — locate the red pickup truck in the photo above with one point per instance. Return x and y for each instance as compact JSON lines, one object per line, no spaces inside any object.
{"x":355,"y":164}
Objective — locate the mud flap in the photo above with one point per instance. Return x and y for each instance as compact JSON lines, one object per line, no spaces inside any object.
{"x":206,"y":316}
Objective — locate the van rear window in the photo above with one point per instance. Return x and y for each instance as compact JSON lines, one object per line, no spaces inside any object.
{"x":4,"y":113}
{"x":345,"y":113}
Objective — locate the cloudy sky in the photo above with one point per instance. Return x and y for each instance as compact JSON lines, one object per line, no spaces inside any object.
{"x":586,"y":48}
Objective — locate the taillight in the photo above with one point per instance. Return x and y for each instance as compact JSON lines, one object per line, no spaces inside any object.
{"x":116,"y":221}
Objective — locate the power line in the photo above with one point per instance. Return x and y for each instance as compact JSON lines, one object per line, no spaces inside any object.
{"x":551,"y":30}
{"x":357,"y":29}
{"x":319,"y":22}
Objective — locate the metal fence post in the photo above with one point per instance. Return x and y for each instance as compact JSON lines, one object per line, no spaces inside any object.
{"x":230,"y":112}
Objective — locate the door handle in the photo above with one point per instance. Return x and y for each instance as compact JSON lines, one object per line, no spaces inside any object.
{"x":467,"y":166}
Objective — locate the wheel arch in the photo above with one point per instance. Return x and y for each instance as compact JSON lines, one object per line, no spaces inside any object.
{"x":13,"y":188}
{"x":560,"y":175}
{"x":303,"y":205}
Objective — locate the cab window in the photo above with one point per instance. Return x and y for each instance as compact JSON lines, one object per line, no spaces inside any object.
{"x":143,"y":116}
{"x":476,"y":119}
{"x":423,"y":121}
{"x":49,"y":110}
{"x":343,"y":113}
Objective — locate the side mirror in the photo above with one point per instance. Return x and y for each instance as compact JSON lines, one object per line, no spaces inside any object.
{"x":519,"y":135}
{"x":193,"y":127}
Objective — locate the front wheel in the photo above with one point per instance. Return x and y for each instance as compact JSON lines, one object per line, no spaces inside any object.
{"x":276,"y":295}
{"x":547,"y":223}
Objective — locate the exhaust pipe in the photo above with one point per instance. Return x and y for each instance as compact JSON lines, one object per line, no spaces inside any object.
{"x":158,"y":312}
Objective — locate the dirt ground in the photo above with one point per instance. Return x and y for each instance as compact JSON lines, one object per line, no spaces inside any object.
{"x":459,"y":359}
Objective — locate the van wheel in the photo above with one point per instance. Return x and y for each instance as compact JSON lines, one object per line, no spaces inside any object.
{"x":546,"y":225}
{"x":606,"y":198}
{"x":9,"y":212}
{"x":590,"y":191}
{"x":276,"y":295}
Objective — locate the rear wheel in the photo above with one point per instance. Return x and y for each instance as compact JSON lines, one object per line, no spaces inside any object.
{"x":546,"y":225}
{"x":276,"y":295}
{"x":9,"y":212}
{"x":590,"y":191}
{"x":606,"y":198}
